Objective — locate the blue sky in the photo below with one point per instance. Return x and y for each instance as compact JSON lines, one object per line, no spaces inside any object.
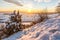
{"x":34,"y":4}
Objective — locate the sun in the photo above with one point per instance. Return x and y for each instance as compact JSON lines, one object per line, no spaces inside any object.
{"x":29,"y":10}
{"x":28,"y":6}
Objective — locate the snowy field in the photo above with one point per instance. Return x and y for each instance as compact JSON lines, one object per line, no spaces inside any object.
{"x":48,"y":30}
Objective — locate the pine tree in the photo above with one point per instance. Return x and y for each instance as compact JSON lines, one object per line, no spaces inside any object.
{"x":15,"y":24}
{"x":13,"y":17}
{"x":19,"y":20}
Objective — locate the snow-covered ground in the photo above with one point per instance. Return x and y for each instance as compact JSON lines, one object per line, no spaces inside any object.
{"x":30,"y":17}
{"x":4,"y":18}
{"x":48,"y":30}
{"x":15,"y":36}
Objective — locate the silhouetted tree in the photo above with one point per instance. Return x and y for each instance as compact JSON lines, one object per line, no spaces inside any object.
{"x":43,"y":15}
{"x":14,"y":25}
{"x":58,"y":8}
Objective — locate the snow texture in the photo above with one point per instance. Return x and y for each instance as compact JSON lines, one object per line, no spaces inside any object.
{"x":48,"y":30}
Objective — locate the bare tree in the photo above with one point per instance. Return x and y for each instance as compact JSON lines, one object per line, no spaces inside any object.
{"x":43,"y":15}
{"x":58,"y":8}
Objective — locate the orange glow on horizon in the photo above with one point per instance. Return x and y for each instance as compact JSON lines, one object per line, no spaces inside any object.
{"x":27,"y":10}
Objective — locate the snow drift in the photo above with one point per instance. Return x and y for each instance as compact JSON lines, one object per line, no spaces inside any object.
{"x":48,"y":30}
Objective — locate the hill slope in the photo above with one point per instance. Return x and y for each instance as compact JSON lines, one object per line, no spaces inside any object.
{"x":48,"y":30}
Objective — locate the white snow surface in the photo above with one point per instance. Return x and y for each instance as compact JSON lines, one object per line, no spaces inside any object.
{"x":48,"y":30}
{"x":30,"y":17}
{"x":14,"y":36}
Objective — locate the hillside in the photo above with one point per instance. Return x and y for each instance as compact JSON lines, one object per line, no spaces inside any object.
{"x":48,"y":30}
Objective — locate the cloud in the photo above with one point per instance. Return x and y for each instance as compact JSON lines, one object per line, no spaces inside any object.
{"x":58,"y":0}
{"x":39,"y":0}
{"x":14,"y":2}
{"x":47,"y":0}
{"x":43,"y":0}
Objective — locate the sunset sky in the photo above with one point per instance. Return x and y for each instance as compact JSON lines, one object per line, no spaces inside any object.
{"x":29,"y":4}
